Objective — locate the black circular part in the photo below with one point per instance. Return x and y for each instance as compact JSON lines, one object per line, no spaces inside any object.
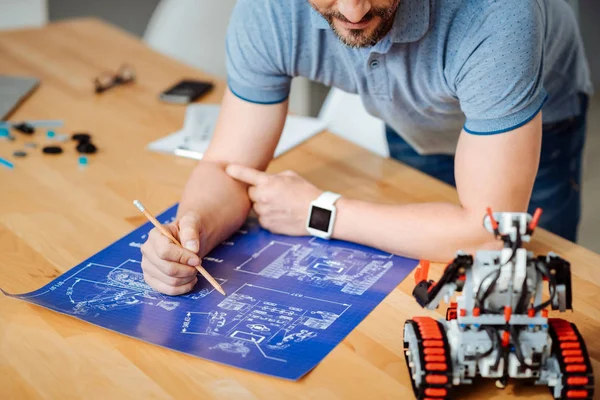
{"x":25,"y":128}
{"x":81,"y":137}
{"x":87,"y":148}
{"x":52,"y":150}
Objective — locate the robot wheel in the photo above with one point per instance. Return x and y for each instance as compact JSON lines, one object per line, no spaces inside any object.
{"x":568,"y":347}
{"x":428,"y":358}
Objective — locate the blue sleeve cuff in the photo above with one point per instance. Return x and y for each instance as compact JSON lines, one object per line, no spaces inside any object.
{"x":509,"y":122}
{"x":259,"y":96}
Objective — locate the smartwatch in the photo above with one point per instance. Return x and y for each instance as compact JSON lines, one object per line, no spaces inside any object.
{"x":321,"y":215}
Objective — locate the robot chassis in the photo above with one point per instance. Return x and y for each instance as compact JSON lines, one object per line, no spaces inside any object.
{"x":499,"y":327}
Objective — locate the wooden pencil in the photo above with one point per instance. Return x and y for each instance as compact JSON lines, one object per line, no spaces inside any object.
{"x":168,"y":234}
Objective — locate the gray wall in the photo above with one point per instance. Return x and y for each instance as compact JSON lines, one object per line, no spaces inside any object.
{"x":131,"y":15}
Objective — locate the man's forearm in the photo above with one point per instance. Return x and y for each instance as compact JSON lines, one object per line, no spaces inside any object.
{"x":433,"y":231}
{"x":221,"y":203}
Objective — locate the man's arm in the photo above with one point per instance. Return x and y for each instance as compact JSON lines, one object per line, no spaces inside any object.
{"x":213,"y":205}
{"x":245,"y":133}
{"x":495,"y":171}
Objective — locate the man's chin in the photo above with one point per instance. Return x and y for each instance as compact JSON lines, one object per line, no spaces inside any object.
{"x":356,"y":37}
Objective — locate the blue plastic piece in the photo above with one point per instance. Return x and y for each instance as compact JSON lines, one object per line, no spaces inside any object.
{"x":545,"y":326}
{"x":83,"y":161}
{"x":50,"y":134}
{"x":463,"y":326}
{"x":6,"y":163}
{"x":4,"y":132}
{"x":477,"y":325}
{"x":531,"y":326}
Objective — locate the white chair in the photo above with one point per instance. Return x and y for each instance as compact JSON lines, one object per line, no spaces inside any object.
{"x":346,"y":116}
{"x":193,"y":32}
{"x":23,"y":14}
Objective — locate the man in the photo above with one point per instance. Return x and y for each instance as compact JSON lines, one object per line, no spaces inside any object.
{"x":465,"y":82}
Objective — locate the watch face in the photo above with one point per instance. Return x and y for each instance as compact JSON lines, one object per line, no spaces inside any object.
{"x":319,"y":219}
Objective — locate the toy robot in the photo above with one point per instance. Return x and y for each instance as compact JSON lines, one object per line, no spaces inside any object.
{"x":499,"y":327}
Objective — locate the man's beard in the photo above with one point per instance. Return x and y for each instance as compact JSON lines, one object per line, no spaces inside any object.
{"x":358,"y":38}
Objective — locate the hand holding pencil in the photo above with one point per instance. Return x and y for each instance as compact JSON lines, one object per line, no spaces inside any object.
{"x":170,"y":265}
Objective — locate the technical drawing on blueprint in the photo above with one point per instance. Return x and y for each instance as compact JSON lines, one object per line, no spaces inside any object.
{"x":290,"y":300}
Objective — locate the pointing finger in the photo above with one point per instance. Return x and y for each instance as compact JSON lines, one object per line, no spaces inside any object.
{"x":248,"y":175}
{"x":258,"y":194}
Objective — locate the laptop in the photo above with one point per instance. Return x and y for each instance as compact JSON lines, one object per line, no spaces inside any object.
{"x":13,"y":91}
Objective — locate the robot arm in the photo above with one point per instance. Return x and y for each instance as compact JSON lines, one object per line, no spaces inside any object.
{"x":558,"y":273}
{"x":429,"y":294}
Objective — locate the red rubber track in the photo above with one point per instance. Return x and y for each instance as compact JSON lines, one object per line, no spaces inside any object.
{"x":569,"y":348}
{"x":435,"y":359}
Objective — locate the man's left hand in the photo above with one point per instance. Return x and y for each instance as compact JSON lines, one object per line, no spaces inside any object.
{"x":281,"y":201}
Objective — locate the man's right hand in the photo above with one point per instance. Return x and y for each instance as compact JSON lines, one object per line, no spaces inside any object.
{"x":168,"y":268}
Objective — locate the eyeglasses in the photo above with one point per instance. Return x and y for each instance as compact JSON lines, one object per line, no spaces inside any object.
{"x":105,"y":81}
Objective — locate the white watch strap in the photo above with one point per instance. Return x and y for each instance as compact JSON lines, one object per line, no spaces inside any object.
{"x":328,"y":198}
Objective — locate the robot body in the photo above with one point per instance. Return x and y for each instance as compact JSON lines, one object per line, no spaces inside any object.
{"x":499,"y":327}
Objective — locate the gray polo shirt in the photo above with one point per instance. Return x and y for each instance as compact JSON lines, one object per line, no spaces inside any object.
{"x":488,"y":66}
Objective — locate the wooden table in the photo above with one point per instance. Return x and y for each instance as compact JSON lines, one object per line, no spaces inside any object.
{"x":53,"y":215}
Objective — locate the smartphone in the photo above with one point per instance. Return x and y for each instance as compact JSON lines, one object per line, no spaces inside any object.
{"x":186,"y":91}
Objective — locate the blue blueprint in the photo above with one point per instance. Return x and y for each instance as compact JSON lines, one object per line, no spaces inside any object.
{"x":290,"y":300}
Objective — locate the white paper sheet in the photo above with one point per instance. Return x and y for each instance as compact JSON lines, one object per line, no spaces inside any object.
{"x":200,"y":119}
